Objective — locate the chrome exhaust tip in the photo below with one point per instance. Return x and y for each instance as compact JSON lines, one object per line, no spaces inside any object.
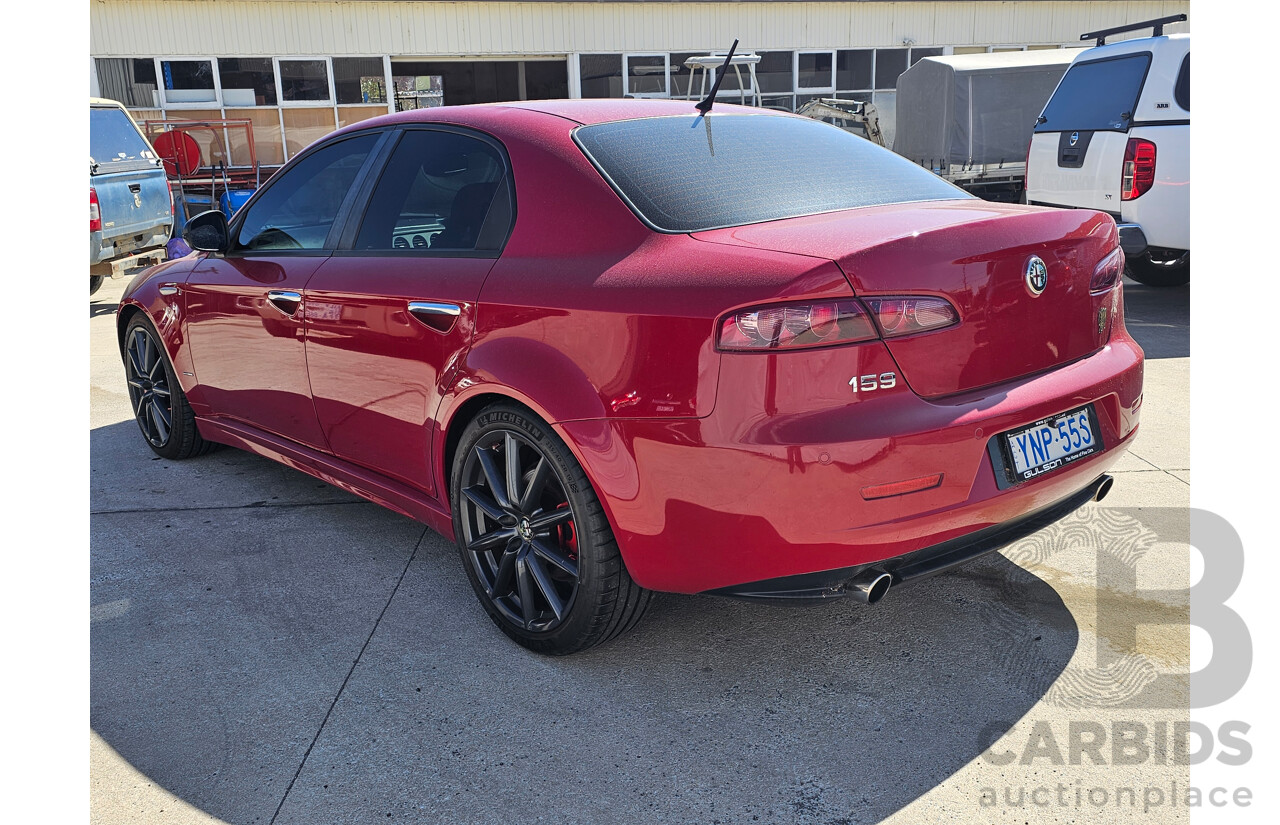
{"x":1104,"y":487}
{"x":870,"y":586}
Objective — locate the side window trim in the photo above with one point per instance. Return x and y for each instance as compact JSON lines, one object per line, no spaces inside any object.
{"x":506,"y":187}
{"x":344,"y":208}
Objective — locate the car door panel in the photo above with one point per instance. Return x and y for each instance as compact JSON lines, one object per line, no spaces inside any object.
{"x":377,"y":369}
{"x":390,"y":315}
{"x":249,"y":354}
{"x":245,"y":319}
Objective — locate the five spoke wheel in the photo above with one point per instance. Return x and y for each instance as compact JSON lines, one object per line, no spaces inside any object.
{"x":519,"y":530}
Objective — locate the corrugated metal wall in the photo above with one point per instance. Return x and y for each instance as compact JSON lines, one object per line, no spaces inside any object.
{"x":127,"y":28}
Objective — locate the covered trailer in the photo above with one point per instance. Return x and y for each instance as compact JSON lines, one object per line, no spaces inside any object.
{"x":969,"y":117}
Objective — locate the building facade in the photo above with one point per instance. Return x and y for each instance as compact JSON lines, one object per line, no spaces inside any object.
{"x":297,"y":69}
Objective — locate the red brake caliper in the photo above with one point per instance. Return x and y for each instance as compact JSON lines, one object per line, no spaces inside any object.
{"x":568,"y":536}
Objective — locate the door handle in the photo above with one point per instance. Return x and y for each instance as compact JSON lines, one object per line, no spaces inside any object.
{"x":438,"y":316}
{"x":285,"y":301}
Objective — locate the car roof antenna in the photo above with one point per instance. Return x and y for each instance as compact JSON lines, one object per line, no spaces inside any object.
{"x":705,"y":105}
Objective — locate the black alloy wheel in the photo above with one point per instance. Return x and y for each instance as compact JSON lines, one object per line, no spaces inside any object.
{"x":159,"y":405}
{"x":534,"y":538}
{"x":519,"y":528}
{"x":149,"y":387}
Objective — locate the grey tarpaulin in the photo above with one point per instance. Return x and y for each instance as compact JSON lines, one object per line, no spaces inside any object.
{"x":975,"y":108}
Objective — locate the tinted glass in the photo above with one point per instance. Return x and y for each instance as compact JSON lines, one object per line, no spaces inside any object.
{"x":434,"y":194}
{"x":247,"y":81}
{"x":814,"y":70}
{"x":297,"y":209}
{"x":1182,"y":88}
{"x":1096,"y":96}
{"x":774,"y":72}
{"x":762,"y":168}
{"x":359,"y":80}
{"x":304,"y":79}
{"x":853,"y":69}
{"x":113,"y":137}
{"x":889,"y":64}
{"x":601,"y":75}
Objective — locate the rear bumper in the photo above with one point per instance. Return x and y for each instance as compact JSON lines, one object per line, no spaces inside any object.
{"x":768,"y":485}
{"x":1132,"y":239}
{"x":833,"y":584}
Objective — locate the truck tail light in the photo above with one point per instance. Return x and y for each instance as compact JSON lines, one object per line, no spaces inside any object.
{"x":1139,"y":169}
{"x":95,"y":212}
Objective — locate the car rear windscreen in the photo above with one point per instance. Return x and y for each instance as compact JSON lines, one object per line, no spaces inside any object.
{"x":688,"y":174}
{"x":113,"y":138}
{"x":1097,"y":96}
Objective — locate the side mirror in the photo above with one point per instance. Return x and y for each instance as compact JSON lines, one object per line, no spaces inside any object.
{"x":208,"y":232}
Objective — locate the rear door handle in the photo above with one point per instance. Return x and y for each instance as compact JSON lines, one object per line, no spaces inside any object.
{"x":438,"y":316}
{"x":285,"y":301}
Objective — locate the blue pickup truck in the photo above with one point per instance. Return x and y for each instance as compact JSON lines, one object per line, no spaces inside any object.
{"x":130,"y":208}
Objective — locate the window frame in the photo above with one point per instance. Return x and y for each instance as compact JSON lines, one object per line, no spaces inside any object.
{"x":666,"y":75}
{"x":166,"y":104}
{"x":341,"y":218}
{"x":344,"y":244}
{"x":812,"y":90}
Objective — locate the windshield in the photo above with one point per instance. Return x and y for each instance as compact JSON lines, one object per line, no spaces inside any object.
{"x":113,"y":138}
{"x":1096,"y":96}
{"x":688,"y":174}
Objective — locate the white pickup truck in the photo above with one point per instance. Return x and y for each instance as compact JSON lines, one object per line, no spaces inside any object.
{"x":1116,"y":136}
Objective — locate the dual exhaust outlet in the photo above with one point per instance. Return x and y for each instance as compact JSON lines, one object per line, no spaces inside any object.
{"x":870,"y":586}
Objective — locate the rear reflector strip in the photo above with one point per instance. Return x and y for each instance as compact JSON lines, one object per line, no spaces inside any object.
{"x":899,"y":488}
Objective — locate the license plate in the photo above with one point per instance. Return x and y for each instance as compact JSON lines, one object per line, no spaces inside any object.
{"x":1053,"y":442}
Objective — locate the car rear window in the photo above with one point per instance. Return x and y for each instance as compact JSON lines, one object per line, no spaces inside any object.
{"x":1096,"y":96}
{"x":688,"y":174}
{"x":113,"y":138}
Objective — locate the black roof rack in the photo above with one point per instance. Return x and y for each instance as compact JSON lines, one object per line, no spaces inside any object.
{"x":1156,"y":26}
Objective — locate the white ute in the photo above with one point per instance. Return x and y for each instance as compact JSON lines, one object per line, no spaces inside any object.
{"x":1116,"y":136}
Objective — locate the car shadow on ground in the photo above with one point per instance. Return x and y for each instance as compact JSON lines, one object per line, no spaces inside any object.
{"x":1159,"y":319}
{"x":230,"y":597}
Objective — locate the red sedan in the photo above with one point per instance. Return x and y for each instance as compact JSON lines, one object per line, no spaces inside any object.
{"x":613,"y":347}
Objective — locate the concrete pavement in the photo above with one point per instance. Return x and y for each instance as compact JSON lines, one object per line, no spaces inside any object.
{"x":267,"y":648}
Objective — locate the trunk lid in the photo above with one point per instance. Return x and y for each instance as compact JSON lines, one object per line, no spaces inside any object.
{"x":975,"y":254}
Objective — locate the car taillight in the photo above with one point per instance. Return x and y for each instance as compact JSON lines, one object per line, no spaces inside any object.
{"x":825,"y":323}
{"x":1107,"y":273}
{"x":95,"y":213}
{"x":907,"y":316}
{"x":1139,"y":168}
{"x":797,"y":326}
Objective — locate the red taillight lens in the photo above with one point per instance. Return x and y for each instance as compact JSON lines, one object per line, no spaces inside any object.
{"x":1107,"y":273}
{"x":796,"y":326}
{"x":95,"y":213}
{"x":1139,"y":168}
{"x":906,"y":315}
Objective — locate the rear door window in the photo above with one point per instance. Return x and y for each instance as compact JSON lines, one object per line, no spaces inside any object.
{"x":113,"y":138}
{"x":437,"y":193}
{"x":1098,"y":95}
